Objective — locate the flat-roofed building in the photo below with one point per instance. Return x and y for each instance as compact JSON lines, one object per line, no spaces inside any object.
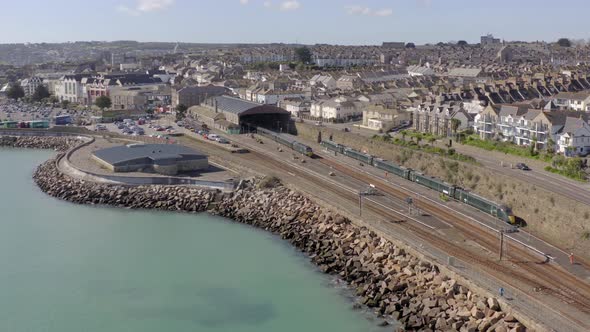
{"x":167,"y":159}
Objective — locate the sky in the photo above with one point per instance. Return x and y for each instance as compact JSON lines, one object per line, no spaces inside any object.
{"x":345,"y":22}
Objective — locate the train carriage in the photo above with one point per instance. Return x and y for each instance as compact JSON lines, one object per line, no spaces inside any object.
{"x":332,"y":146}
{"x":286,"y":141}
{"x":363,"y":157}
{"x":433,"y":183}
{"x":391,"y":168}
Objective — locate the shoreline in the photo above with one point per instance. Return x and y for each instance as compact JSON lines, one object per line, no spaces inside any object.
{"x":382,"y":276}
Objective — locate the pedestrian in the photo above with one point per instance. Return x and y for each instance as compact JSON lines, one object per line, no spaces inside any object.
{"x":501,"y":291}
{"x":572,"y":258}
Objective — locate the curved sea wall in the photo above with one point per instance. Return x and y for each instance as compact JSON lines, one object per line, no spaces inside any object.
{"x":385,"y":278}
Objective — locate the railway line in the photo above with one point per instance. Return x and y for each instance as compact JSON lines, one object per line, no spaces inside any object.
{"x":521,"y":270}
{"x":548,"y":277}
{"x":529,"y":271}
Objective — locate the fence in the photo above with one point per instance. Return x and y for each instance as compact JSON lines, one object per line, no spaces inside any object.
{"x":528,"y":310}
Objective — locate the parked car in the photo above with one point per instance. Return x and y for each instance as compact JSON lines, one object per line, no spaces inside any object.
{"x":160,"y":128}
{"x":212,"y":137}
{"x":523,"y":166}
{"x":222,"y":140}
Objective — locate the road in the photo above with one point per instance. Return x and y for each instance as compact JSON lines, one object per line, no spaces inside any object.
{"x":537,"y":175}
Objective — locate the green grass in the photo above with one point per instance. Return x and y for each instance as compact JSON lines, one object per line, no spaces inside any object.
{"x":505,"y":147}
{"x":447,"y":153}
{"x":575,"y":175}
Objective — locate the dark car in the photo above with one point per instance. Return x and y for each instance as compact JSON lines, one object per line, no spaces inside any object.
{"x":523,"y":167}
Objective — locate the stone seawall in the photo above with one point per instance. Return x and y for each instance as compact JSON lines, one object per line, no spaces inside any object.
{"x":37,"y":142}
{"x":393,"y":283}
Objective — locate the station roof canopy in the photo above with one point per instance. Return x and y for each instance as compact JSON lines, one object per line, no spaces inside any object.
{"x":243,"y":107}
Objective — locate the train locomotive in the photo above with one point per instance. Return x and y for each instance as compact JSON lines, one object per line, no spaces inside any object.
{"x":499,"y":211}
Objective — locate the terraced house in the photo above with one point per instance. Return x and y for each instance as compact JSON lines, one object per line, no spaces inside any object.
{"x":566,"y":132}
{"x":436,"y":119}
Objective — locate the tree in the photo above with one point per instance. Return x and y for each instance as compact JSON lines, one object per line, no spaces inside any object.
{"x":410,"y":45}
{"x":550,"y":146}
{"x":455,"y":124}
{"x":180,"y":112}
{"x":431,"y":140}
{"x":103,"y":102}
{"x":418,"y":138}
{"x":65,"y":104}
{"x":40,"y":93}
{"x":404,"y":133}
{"x":53,"y":100}
{"x":15,"y":91}
{"x":564,"y":42}
{"x":533,"y":147}
{"x":303,"y":54}
{"x":462,"y":43}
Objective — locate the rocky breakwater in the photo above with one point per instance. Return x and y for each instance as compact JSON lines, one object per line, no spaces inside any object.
{"x":386,"y":278}
{"x":39,"y":142}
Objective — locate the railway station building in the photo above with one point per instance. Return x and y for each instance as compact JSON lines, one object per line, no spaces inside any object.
{"x":229,"y":112}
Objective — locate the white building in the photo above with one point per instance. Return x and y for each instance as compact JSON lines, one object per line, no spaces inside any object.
{"x":71,"y":89}
{"x":574,"y":135}
{"x":326,"y":80}
{"x":296,"y":107}
{"x":271,"y":97}
{"x":575,"y":101}
{"x":30,"y":85}
{"x":338,"y":108}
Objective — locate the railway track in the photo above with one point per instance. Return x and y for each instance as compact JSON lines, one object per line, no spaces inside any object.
{"x":551,"y":279}
{"x":527,"y":273}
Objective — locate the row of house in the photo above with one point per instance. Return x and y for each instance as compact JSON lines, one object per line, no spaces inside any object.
{"x":565,"y":131}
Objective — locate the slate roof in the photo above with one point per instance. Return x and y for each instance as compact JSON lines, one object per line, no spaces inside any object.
{"x":140,"y":153}
{"x":464,"y":72}
{"x":241,"y":106}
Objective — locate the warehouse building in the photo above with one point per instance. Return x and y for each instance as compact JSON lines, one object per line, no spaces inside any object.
{"x":167,"y":159}
{"x":245,"y":114}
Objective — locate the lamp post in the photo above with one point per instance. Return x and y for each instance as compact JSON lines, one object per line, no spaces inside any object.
{"x":501,"y":243}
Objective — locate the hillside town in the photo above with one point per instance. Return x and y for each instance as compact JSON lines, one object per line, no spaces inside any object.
{"x":527,"y":94}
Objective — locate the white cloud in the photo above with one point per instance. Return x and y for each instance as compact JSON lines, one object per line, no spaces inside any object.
{"x":126,"y":10}
{"x":144,"y":6}
{"x":383,"y":12}
{"x":357,"y":10}
{"x":244,"y":2}
{"x":290,"y":5}
{"x":267,"y":4}
{"x":366,"y":11}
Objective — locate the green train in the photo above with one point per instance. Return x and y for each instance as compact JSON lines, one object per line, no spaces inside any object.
{"x":499,"y":211}
{"x":285,"y":140}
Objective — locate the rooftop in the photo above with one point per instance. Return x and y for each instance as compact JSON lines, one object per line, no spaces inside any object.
{"x":120,"y":155}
